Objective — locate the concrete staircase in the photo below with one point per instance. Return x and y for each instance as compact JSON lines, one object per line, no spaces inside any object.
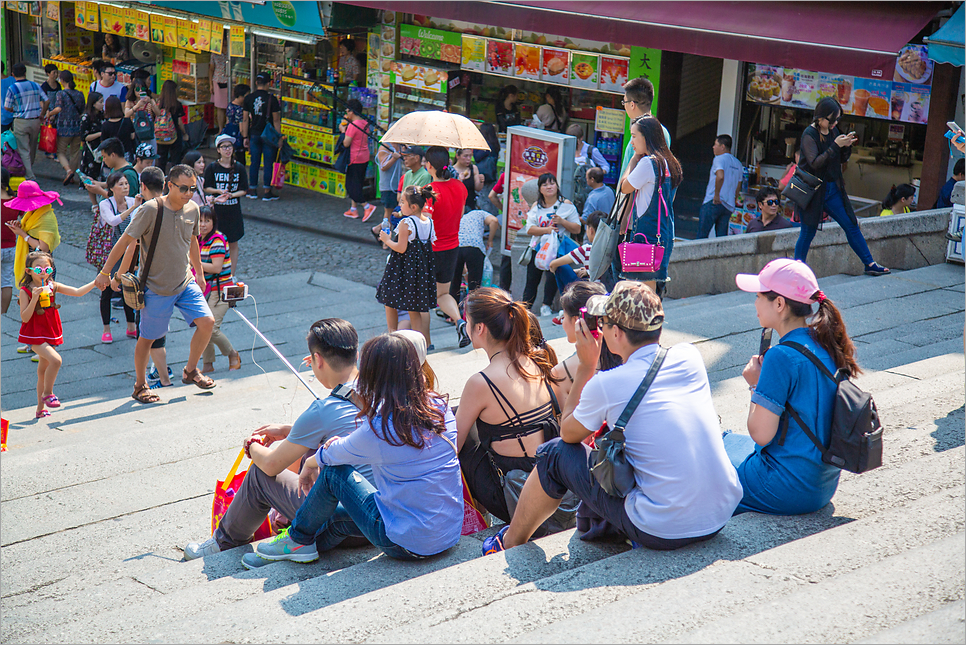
{"x":96,"y":507}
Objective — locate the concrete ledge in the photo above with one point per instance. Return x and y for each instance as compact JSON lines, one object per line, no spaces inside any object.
{"x":905,"y":242}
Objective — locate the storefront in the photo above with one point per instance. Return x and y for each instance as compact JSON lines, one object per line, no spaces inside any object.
{"x":425,"y":63}
{"x":889,"y":116}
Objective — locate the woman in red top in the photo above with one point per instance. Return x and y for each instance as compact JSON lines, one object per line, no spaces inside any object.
{"x":355,"y":126}
{"x":8,"y":241}
{"x":446,"y":213}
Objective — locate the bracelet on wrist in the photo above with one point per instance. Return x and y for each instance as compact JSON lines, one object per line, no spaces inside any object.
{"x":105,"y":274}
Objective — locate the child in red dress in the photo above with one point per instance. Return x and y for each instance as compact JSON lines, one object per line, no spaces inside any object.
{"x":41,"y":328}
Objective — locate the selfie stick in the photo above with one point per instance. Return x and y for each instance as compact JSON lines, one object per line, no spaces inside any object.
{"x":277,"y":353}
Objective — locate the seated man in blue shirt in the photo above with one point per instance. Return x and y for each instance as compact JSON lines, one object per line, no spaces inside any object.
{"x":946,"y":192}
{"x":600,"y":197}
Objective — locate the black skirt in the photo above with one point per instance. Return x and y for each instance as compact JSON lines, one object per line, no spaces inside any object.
{"x":409,"y":282}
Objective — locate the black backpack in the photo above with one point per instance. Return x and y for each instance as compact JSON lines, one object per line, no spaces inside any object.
{"x":856,"y":442}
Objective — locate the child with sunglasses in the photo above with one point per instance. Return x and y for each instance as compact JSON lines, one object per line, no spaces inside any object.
{"x":769,"y":208}
{"x":41,"y":328}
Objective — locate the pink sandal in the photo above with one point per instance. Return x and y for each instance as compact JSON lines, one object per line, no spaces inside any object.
{"x":52,"y":401}
{"x":42,"y":414}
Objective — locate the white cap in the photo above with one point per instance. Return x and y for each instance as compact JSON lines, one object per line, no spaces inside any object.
{"x":224,"y":137}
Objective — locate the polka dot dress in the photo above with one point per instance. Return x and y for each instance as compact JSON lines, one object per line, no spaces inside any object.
{"x":409,"y":282}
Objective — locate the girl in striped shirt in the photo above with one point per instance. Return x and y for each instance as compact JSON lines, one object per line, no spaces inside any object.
{"x":216,"y":263}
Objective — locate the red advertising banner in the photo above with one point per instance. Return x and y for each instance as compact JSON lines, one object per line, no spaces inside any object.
{"x":529,"y":158}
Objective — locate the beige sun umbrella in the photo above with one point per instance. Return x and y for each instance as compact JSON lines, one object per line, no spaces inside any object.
{"x":436,"y":129}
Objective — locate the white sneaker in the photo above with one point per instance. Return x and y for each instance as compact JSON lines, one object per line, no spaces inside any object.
{"x":545,"y":311}
{"x":194,"y":550}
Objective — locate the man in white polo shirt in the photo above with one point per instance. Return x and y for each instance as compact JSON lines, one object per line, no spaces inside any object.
{"x":685,"y":488}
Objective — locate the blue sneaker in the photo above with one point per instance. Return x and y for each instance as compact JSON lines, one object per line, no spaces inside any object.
{"x":494,"y":543}
{"x":153,"y":374}
{"x":282,"y":547}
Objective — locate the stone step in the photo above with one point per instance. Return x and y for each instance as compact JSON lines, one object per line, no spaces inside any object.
{"x":851,"y":605}
{"x":564,"y":552}
{"x":944,"y":625}
{"x":683,"y":589}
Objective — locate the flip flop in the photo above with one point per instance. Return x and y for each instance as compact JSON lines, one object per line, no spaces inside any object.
{"x":234,"y":361}
{"x":43,"y":414}
{"x":194,"y":377}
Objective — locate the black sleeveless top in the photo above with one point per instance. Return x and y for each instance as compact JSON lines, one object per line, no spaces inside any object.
{"x":517,"y":426}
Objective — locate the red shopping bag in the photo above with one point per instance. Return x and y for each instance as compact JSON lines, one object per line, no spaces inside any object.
{"x":4,"y":424}
{"x":225,"y":493}
{"x":473,"y":521}
{"x":48,"y":139}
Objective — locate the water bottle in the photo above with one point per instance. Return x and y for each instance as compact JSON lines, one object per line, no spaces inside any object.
{"x":385,"y":225}
{"x":487,"y":280}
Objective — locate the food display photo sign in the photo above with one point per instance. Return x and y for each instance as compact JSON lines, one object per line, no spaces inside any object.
{"x":526,"y":62}
{"x":613,"y":74}
{"x":418,"y":77}
{"x":583,"y":70}
{"x":556,"y":66}
{"x":474,"y":53}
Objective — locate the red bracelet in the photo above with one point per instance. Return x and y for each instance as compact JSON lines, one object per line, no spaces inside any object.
{"x":248,"y":445}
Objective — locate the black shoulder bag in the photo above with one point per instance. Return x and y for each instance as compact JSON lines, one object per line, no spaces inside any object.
{"x":611,"y":469}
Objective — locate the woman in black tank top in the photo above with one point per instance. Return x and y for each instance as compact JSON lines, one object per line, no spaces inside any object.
{"x":510,"y":408}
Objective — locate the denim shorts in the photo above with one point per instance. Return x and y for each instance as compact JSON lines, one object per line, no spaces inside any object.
{"x":390,"y":199}
{"x":6,"y":266}
{"x":158,"y":309}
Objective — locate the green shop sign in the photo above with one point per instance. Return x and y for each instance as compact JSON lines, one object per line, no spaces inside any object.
{"x":285,"y":12}
{"x":430,"y":43}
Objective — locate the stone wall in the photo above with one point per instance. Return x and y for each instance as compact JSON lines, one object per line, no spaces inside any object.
{"x":905,"y":241}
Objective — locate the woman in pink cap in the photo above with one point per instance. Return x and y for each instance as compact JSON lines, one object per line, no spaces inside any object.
{"x":780,"y":468}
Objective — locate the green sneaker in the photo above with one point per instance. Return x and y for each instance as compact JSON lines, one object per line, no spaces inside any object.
{"x":282,"y":547}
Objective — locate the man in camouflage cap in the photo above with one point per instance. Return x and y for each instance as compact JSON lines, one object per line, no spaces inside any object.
{"x":631,"y":305}
{"x":684,"y":487}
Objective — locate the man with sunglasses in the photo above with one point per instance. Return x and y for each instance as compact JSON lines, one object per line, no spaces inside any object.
{"x":685,"y":488}
{"x":170,"y":283}
{"x":769,"y":203}
{"x":107,"y":84}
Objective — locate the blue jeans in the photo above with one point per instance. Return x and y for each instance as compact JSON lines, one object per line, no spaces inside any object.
{"x":260,"y":150}
{"x":836,"y":208}
{"x":565,"y":274}
{"x":716,"y":215}
{"x":342,"y":504}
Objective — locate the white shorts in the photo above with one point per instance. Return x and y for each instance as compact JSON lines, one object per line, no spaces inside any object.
{"x":7,"y":257}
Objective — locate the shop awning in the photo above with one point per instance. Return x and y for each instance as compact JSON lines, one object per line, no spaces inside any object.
{"x":300,"y":16}
{"x":946,"y":45}
{"x":854,"y":38}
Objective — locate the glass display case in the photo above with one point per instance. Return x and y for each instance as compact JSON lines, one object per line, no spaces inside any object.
{"x":51,"y":37}
{"x":194,"y":86}
{"x":304,"y":107}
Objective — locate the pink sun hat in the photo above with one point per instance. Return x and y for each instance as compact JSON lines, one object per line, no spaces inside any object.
{"x":30,"y":197}
{"x":790,"y":278}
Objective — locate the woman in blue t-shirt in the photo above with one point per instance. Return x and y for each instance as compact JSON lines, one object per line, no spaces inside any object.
{"x":781,"y":470}
{"x":408,"y":433}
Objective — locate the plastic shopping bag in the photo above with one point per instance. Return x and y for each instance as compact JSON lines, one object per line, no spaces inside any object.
{"x":48,"y":139}
{"x":473,"y":521}
{"x":225,"y":493}
{"x":546,"y":251}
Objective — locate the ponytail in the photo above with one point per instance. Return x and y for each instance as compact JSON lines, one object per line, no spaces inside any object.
{"x":419,"y":195}
{"x":510,"y":321}
{"x":902,"y":191}
{"x":438,"y":158}
{"x":828,"y":329}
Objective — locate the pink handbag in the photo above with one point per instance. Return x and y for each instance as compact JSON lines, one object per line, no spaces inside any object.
{"x":643,"y":257}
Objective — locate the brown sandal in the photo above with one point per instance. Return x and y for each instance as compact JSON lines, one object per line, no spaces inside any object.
{"x":234,"y":361}
{"x":197,"y":378}
{"x":145,"y":395}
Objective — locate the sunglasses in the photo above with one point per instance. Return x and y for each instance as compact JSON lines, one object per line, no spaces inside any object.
{"x":110,"y":73}
{"x":41,"y":270}
{"x":771,"y":202}
{"x":186,"y":190}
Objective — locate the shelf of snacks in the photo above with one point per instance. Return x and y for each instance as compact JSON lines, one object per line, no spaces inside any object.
{"x":317,"y":178}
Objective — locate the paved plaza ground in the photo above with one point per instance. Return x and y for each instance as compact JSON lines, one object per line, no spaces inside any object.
{"x":97,"y":501}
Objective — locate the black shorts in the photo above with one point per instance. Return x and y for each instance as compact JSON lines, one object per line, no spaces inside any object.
{"x":230,"y":223}
{"x":445,"y":265}
{"x":390,"y":199}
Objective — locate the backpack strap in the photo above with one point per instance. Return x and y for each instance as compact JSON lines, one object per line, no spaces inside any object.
{"x":783,"y":428}
{"x":631,"y":406}
{"x":812,"y":357}
{"x":343,"y":391}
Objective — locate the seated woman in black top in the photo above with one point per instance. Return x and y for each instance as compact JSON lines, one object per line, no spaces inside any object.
{"x":510,"y":408}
